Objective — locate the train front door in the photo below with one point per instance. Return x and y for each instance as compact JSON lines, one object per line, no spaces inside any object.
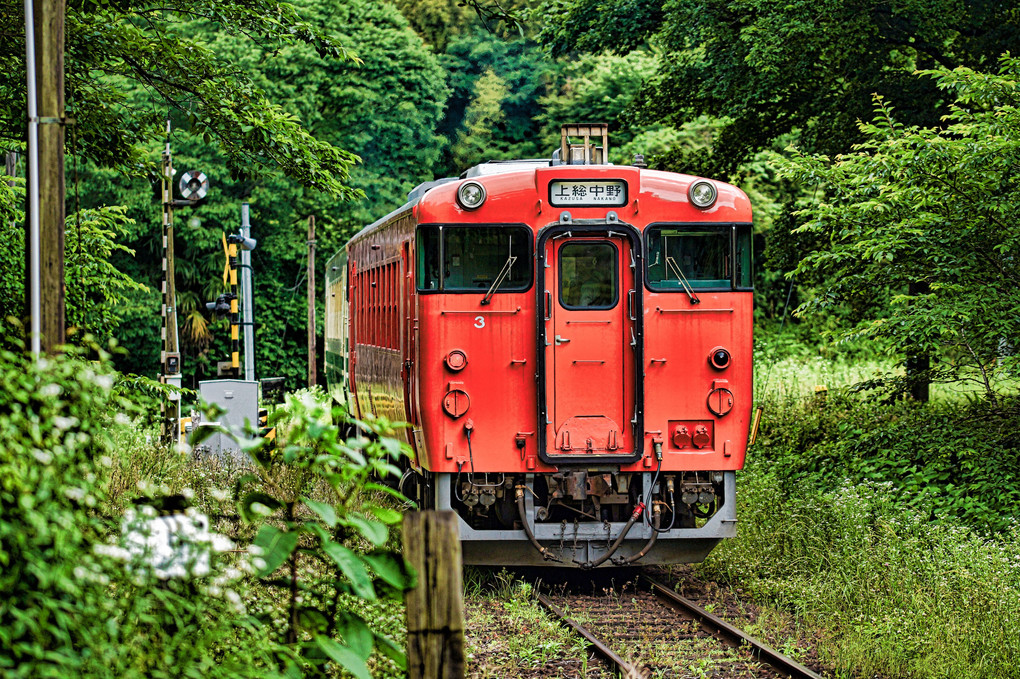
{"x":590,"y":299}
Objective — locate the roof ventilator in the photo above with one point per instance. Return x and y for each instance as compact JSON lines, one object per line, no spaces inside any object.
{"x":584,"y":153}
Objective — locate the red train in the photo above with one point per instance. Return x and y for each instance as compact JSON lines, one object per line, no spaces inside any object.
{"x":570,"y":343}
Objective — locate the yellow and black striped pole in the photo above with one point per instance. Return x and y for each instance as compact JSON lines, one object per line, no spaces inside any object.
{"x":235,"y":316}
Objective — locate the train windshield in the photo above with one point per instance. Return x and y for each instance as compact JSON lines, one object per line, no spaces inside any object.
{"x":474,"y":258}
{"x":703,"y":256}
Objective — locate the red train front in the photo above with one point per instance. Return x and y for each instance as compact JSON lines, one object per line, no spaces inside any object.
{"x":570,"y":343}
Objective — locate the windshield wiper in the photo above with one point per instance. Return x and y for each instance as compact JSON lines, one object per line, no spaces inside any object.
{"x":503,"y":273}
{"x":683,"y":280}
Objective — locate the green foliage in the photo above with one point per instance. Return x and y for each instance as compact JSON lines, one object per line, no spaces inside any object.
{"x":436,"y":21}
{"x":773,"y":68}
{"x":96,"y":292}
{"x":384,"y":108}
{"x":605,"y":88}
{"x":52,"y":418}
{"x":523,"y":69}
{"x":313,"y":459}
{"x":66,"y":607}
{"x":110,"y":45}
{"x":12,"y":249}
{"x":481,"y":119}
{"x":86,"y":590}
{"x":934,"y":207}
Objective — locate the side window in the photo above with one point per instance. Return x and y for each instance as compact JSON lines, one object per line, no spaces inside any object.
{"x":428,"y":258}
{"x":744,"y":274}
{"x":588,"y":275}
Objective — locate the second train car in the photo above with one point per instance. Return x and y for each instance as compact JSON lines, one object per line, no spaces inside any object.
{"x":570,"y":344}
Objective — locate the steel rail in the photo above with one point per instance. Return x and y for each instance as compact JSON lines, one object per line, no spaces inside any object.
{"x":729,"y":633}
{"x":623,"y":668}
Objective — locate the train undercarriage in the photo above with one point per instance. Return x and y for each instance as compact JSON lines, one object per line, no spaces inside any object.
{"x":584,"y":517}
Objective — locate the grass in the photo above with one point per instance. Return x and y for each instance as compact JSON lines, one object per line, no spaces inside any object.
{"x":888,"y":591}
{"x":890,"y":582}
{"x":509,"y":634}
{"x":856,"y":567}
{"x":145,"y":468}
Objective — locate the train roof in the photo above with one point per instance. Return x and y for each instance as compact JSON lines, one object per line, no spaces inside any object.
{"x":527,"y":168}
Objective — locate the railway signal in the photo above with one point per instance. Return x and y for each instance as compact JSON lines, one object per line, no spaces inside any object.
{"x":235,"y":244}
{"x":194,"y":185}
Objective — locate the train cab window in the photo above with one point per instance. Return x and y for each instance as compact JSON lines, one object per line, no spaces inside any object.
{"x":700,"y":254}
{"x":588,"y":275}
{"x":474,"y":258}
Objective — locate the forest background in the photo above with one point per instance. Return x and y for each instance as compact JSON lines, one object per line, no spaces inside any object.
{"x":336,"y":110}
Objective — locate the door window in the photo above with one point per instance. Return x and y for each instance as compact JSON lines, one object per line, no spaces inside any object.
{"x":588,"y":275}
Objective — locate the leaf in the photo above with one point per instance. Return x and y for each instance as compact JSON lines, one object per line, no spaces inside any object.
{"x":312,"y":619}
{"x":352,"y":567}
{"x":356,"y":635}
{"x":373,"y":531}
{"x":277,"y":546}
{"x":390,"y":517}
{"x":244,"y":505}
{"x":371,"y":485}
{"x":390,"y":569}
{"x":344,"y":657}
{"x":325,"y":511}
{"x":391,"y":650}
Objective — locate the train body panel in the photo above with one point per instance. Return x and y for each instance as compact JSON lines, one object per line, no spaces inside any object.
{"x":577,"y":341}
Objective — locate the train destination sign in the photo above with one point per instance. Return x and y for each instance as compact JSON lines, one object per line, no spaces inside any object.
{"x":589,"y":193}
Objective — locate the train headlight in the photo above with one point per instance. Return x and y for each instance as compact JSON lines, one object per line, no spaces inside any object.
{"x":471,"y":195}
{"x":702,"y":193}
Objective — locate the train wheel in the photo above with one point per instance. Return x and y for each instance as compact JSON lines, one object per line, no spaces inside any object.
{"x":418,"y":487}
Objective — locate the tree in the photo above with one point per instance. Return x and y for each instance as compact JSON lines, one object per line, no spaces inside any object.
{"x":524,"y":69}
{"x":382,"y":103}
{"x":934,"y":206}
{"x":97,"y":295}
{"x":772,"y":68}
{"x":482,"y":118}
{"x":108,"y":43}
{"x":606,"y":88}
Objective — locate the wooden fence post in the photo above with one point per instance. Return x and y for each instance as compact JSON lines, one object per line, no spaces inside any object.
{"x":312,"y":377}
{"x":435,"y":608}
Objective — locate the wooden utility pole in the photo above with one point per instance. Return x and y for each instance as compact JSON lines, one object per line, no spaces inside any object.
{"x":48,"y":18}
{"x":312,"y":377}
{"x":435,"y":608}
{"x":918,"y":363}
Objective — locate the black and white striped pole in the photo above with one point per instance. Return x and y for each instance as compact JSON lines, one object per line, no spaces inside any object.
{"x":170,"y":356}
{"x":193,"y":187}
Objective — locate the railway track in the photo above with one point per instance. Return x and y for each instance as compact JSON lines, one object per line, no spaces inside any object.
{"x":643,"y":629}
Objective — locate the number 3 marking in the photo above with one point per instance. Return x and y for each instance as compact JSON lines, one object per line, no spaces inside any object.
{"x":479,"y":321}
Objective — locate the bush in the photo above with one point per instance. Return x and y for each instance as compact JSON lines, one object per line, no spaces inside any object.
{"x":955,"y":459}
{"x":53,"y":418}
{"x":69,"y":604}
{"x":90,"y":590}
